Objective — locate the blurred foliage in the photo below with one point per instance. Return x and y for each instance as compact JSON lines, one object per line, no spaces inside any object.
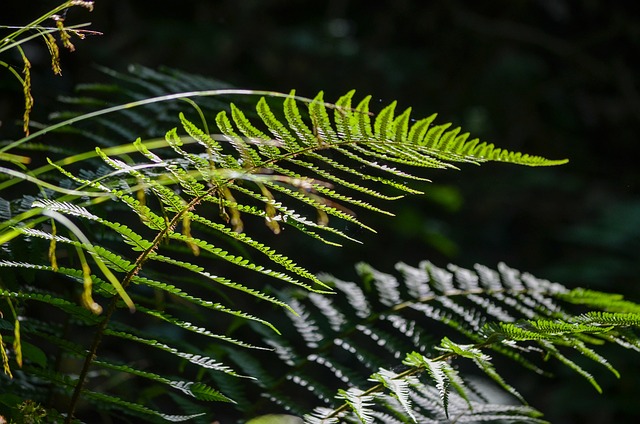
{"x":550,"y":76}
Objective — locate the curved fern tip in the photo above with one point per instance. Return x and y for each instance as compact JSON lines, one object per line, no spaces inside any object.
{"x":546,"y":162}
{"x":558,"y":162}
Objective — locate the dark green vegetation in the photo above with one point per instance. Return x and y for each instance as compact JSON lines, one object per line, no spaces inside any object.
{"x":179,"y":228}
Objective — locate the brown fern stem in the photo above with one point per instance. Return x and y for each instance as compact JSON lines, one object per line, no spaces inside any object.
{"x":142,"y":258}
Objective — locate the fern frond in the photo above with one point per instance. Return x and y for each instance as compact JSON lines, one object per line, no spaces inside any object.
{"x":271,"y":254}
{"x":199,"y":360}
{"x":608,"y":302}
{"x":203,"y":331}
{"x":599,"y":318}
{"x":137,"y":409}
{"x":195,"y":390}
{"x":48,"y":298}
{"x":502,"y":311}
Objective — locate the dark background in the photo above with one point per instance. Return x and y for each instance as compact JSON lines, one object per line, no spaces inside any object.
{"x":549,"y":77}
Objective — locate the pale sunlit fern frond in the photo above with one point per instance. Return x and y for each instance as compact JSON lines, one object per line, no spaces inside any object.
{"x":410,"y":333}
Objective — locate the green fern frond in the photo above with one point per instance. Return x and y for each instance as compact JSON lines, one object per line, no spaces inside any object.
{"x":598,"y":318}
{"x":195,"y":390}
{"x":203,"y":331}
{"x":271,"y":254}
{"x":132,"y":408}
{"x":223,"y":281}
{"x":47,"y":298}
{"x":545,"y":329}
{"x":481,"y":360}
{"x":608,"y":302}
{"x":581,"y":347}
{"x":199,"y":360}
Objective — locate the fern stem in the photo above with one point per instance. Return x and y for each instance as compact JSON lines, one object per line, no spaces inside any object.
{"x":92,"y":354}
{"x":142,"y":258}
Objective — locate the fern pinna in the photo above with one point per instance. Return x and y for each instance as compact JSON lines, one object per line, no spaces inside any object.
{"x":154,"y":233}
